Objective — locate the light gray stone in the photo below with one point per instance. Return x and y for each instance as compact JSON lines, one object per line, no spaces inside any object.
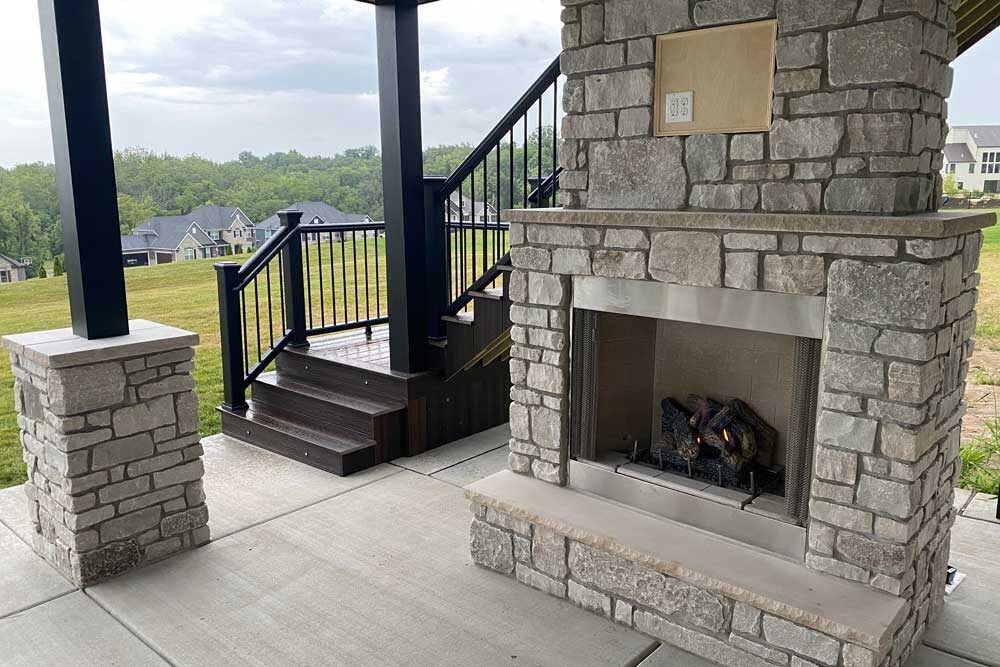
{"x":879,"y":133}
{"x":853,"y":373}
{"x":794,"y":15}
{"x":572,"y":100}
{"x":626,"y":238}
{"x":187,"y":413}
{"x":182,"y":522}
{"x":724,"y":197}
{"x":686,"y":258}
{"x":885,"y":294}
{"x":851,"y":165}
{"x":841,"y":516}
{"x":908,"y":345}
{"x":545,"y":289}
{"x":571,"y":261}
{"x":620,"y":264}
{"x":640,"y":18}
{"x":905,"y":444}
{"x":758,"y":649}
{"x":128,"y":449}
{"x":906,"y":414}
{"x":805,"y":137}
{"x":835,"y":465}
{"x":795,"y":81}
{"x":546,"y":378}
{"x":144,"y":416}
{"x":846,"y":432}
{"x":898,"y":499}
{"x":589,"y":599}
{"x":130,"y":524}
{"x":75,"y":441}
{"x":714,"y":12}
{"x":849,"y":336}
{"x":592,"y":58}
{"x":913,"y":383}
{"x":491,"y":547}
{"x":172,"y":384}
{"x":635,"y":122}
{"x":741,"y":270}
{"x":85,"y":388}
{"x":836,"y":567}
{"x":797,"y":274}
{"x":130,"y":487}
{"x":750,"y":241}
{"x":641,"y":51}
{"x":890,"y":558}
{"x":698,"y":643}
{"x":592,"y":24}
{"x":841,"y":402}
{"x":188,"y":472}
{"x":620,"y":175}
{"x":535,"y":259}
{"x":858,"y":656}
{"x":886,"y":51}
{"x":882,"y":164}
{"x":896,"y":98}
{"x":834,"y":102}
{"x":564,"y":236}
{"x":804,"y":641}
{"x":154,"y":498}
{"x":588,"y":126}
{"x":813,"y":171}
{"x":746,"y":619}
{"x":761,"y":172}
{"x":623,"y":612}
{"x":542,"y":582}
{"x":546,"y":427}
{"x":570,"y":35}
{"x":746,"y":147}
{"x":850,"y":245}
{"x":614,"y":90}
{"x":705,"y":157}
{"x":548,"y":552}
{"x":791,"y":197}
{"x":805,"y":50}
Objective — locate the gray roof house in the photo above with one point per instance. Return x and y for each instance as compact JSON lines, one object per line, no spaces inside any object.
{"x":972,"y":154}
{"x":205,"y":232}
{"x":11,"y":270}
{"x":313,"y":212}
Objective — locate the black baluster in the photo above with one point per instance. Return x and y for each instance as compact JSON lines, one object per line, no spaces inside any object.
{"x":354,"y":260}
{"x":368,"y":315}
{"x":333,"y":277}
{"x":555,"y":140}
{"x":343,"y":275}
{"x":270,"y":323}
{"x":308,"y":277}
{"x":295,"y":304}
{"x":256,"y":309}
{"x":378,"y":280}
{"x":230,"y":324}
{"x":319,"y":265}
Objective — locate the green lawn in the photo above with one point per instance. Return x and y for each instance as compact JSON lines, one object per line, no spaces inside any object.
{"x":184,"y":295}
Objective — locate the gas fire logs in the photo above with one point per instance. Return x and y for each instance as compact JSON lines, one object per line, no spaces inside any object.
{"x":731,"y":432}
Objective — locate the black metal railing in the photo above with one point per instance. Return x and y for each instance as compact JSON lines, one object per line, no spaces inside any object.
{"x":500,"y":173}
{"x":303,"y":281}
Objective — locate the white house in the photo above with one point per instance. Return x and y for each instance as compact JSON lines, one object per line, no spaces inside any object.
{"x":11,"y":270}
{"x":972,"y":154}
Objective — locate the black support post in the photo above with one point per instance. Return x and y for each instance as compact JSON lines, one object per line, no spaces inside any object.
{"x":436,"y":237}
{"x":291,"y":267}
{"x":85,"y":169}
{"x":231,"y":330}
{"x":402,"y":183}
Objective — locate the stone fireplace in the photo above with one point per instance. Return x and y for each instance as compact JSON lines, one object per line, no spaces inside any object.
{"x":801,"y":272}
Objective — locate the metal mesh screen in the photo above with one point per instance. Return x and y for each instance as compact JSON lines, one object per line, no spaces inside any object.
{"x":802,"y":428}
{"x":583,"y":411}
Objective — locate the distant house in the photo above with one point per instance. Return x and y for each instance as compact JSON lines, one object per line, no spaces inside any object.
{"x":205,"y":232}
{"x":466,"y":210}
{"x":972,"y":154}
{"x":11,"y":270}
{"x":313,"y":213}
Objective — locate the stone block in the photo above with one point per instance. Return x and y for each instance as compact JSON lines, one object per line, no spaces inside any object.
{"x":589,"y":599}
{"x":106,"y":563}
{"x":548,"y":552}
{"x":850,"y":245}
{"x":531,"y":258}
{"x":766,"y":652}
{"x":147,"y":416}
{"x":745,"y":241}
{"x":520,"y":422}
{"x":546,"y":378}
{"x":791,"y":197}
{"x":898,"y":499}
{"x":588,"y":126}
{"x":623,"y":612}
{"x":724,"y":197}
{"x":741,"y":270}
{"x":879,"y":133}
{"x":746,"y":619}
{"x":686,"y":258}
{"x":547,"y":472}
{"x":491,"y":547}
{"x":172,"y":384}
{"x":124,"y":450}
{"x":761,"y":172}
{"x":797,"y":274}
{"x":187,"y":413}
{"x":126,"y":489}
{"x":626,"y":238}
{"x":841,"y":516}
{"x":592,"y":59}
{"x":715,"y":12}
{"x":149,"y":499}
{"x":572,"y":100}
{"x":850,"y":337}
{"x":846,"y":432}
{"x":545,"y":289}
{"x":858,"y":656}
{"x":835,"y":102}
{"x":592,"y":24}
{"x":905,"y":444}
{"x":570,"y":36}
{"x":546,"y":427}
{"x":695,"y":642}
{"x":896,"y":98}
{"x":81,"y":389}
{"x":884,"y":293}
{"x":853,"y":373}
{"x":571,"y":261}
{"x":851,"y":165}
{"x":614,"y":90}
{"x":798,"y":51}
{"x":621,"y":178}
{"x":746,"y":147}
{"x":805,"y":138}
{"x":882,"y":52}
{"x":641,"y":51}
{"x":813,"y":171}
{"x":889,"y":558}
{"x":182,"y":522}
{"x":913,"y":383}
{"x":797,"y":81}
{"x":129,"y":525}
{"x":801,"y":640}
{"x":795,"y":15}
{"x":188,"y":472}
{"x":836,"y":466}
{"x":639,"y":18}
{"x":635,"y":122}
{"x":540,"y":581}
{"x":705,"y":157}
{"x":620,"y":264}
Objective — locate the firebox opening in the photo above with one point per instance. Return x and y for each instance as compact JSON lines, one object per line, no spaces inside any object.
{"x":721,"y":413}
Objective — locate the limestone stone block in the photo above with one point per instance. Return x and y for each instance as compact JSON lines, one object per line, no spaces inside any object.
{"x":797,"y":81}
{"x":538,"y":580}
{"x":841,"y":402}
{"x":797,"y":274}
{"x":832,"y":102}
{"x":750,"y":241}
{"x":746,"y":147}
{"x":796,"y":638}
{"x":741,"y":270}
{"x":761,"y":172}
{"x":623,"y":612}
{"x":850,"y":245}
{"x":588,"y":126}
{"x":520,"y":424}
{"x":896,"y":98}
{"x":890,"y":558}
{"x":835,"y":465}
{"x":905,"y":444}
{"x":535,"y":317}
{"x":503,"y":520}
{"x":795,"y":15}
{"x":634,"y":122}
{"x":547,"y":472}
{"x":614,"y":90}
{"x":858,"y":656}
{"x":82,"y":389}
{"x":879,"y":133}
{"x":130,"y":525}
{"x":589,"y":599}
{"x":592,"y":58}
{"x":705,"y":157}
{"x":592,"y":24}
{"x":791,"y":197}
{"x":626,"y":238}
{"x":110,"y":561}
{"x":805,"y":50}
{"x":714,"y":12}
{"x":491,"y":547}
{"x":546,"y":378}
{"x":913,"y":383}
{"x":641,"y":51}
{"x":805,"y":138}
{"x":620,"y":177}
{"x":853,"y":373}
{"x":187,"y":413}
{"x":692,"y":641}
{"x":188,"y":472}
{"x":570,"y":35}
{"x":813,"y":171}
{"x":620,"y":264}
{"x":850,"y":337}
{"x":841,"y":516}
{"x":572,"y":100}
{"x":548,"y":552}
{"x":885,"y":294}
{"x":898,"y":499}
{"x":906,"y":414}
{"x":172,"y":384}
{"x":571,"y":261}
{"x":758,"y":649}
{"x":564,"y":236}
{"x":822,"y":538}
{"x":724,"y":197}
{"x":147,"y":416}
{"x":125,"y":489}
{"x":124,"y":450}
{"x":851,"y":165}
{"x":149,"y":499}
{"x":640,"y":18}
{"x":746,"y":619}
{"x":686,"y":258}
{"x":882,"y":52}
{"x":546,"y":427}
{"x":182,"y":522}
{"x":545,"y":289}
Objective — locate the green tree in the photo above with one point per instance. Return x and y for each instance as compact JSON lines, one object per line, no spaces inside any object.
{"x":42,"y":272}
{"x":133,"y":212}
{"x":57,"y":267}
{"x":950,"y":186}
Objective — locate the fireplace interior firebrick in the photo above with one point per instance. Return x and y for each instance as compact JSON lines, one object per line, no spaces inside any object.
{"x":638,"y":379}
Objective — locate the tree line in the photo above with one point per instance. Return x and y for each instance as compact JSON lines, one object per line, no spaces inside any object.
{"x":151,"y":184}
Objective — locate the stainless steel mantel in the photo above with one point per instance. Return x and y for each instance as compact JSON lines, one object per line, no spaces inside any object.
{"x":788,"y":314}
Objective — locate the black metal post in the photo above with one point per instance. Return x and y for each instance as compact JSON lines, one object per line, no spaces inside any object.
{"x":402,"y":183}
{"x":231,"y":330}
{"x":436,"y":236}
{"x":85,"y":169}
{"x":291,"y":267}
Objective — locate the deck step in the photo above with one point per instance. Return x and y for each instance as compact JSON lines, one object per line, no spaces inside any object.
{"x":494,"y":294}
{"x":465,"y":319}
{"x":339,"y":453}
{"x":347,"y":408}
{"x":317,"y":369}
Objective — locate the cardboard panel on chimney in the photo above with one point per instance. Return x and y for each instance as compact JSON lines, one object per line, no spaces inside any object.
{"x":715,"y":80}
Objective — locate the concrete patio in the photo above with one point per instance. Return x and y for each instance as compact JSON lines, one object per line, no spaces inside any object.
{"x":307,"y":568}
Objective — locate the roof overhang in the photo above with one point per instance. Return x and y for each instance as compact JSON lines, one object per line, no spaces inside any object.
{"x":976,"y":19}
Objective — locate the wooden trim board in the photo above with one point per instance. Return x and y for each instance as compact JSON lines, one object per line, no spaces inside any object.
{"x":730,"y":70}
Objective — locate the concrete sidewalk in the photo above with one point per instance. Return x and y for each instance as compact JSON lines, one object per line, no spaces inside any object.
{"x":307,"y":568}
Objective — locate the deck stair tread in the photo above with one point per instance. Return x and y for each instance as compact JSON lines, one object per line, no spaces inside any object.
{"x":350,"y":397}
{"x":494,"y":294}
{"x":342,"y":443}
{"x":466,"y":319}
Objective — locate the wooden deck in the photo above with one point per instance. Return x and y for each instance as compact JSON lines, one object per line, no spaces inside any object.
{"x":355,"y":346}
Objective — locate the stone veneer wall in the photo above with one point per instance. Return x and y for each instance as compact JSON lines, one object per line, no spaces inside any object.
{"x":859,"y":109}
{"x":900,"y":315}
{"x":114,"y":459}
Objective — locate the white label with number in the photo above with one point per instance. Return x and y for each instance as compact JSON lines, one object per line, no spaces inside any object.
{"x":680,"y":107}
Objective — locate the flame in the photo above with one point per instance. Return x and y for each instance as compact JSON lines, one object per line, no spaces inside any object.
{"x":725,"y":434}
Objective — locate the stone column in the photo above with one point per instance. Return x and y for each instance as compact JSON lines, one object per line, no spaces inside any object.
{"x":110,"y":435}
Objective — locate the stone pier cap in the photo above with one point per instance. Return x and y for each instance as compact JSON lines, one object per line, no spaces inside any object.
{"x":939,"y":225}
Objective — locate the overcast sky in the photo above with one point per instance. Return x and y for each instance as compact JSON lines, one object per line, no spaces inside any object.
{"x":215,"y":77}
